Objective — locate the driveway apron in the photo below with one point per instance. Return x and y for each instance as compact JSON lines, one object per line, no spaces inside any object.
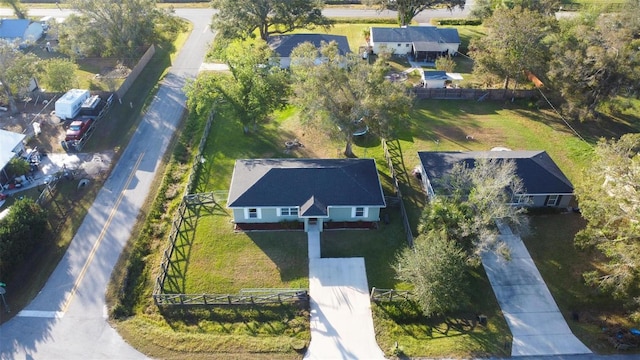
{"x":537,"y":326}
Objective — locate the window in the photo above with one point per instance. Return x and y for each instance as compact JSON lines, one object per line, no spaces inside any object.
{"x":359,"y":212}
{"x":524,"y":199}
{"x":252,"y":213}
{"x":399,"y":45}
{"x":552,"y":200}
{"x":407,"y":45}
{"x":289,"y":211}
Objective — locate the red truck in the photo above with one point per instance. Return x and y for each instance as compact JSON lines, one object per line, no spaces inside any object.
{"x":78,"y":128}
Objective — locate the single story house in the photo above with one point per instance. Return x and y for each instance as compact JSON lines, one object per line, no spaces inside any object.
{"x":422,"y":43}
{"x":544,"y":183}
{"x":20,"y":31}
{"x":435,"y":79}
{"x":283,"y":45}
{"x":11,"y":145}
{"x":308,"y":191}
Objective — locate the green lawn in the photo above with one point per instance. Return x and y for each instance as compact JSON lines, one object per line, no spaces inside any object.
{"x":561,"y":265}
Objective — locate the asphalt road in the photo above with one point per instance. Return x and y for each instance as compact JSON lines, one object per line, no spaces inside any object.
{"x":67,"y":320}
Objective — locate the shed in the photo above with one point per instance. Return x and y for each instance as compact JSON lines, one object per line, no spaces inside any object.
{"x":435,"y":79}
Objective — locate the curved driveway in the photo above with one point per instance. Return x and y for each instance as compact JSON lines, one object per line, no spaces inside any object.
{"x":67,"y":320}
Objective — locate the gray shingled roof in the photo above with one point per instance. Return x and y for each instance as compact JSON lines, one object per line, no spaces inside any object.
{"x":284,"y":44}
{"x":417,"y":34}
{"x":312,"y":184}
{"x":539,"y":174}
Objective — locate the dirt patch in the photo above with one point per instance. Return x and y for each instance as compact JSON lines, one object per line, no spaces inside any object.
{"x":39,"y":111}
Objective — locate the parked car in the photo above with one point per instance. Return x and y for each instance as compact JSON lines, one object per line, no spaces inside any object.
{"x":78,"y":128}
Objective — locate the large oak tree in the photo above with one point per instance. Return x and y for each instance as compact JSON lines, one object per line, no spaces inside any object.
{"x":241,"y":18}
{"x":114,"y":28}
{"x":515,"y":43}
{"x":339,"y":93}
{"x":596,"y":58}
{"x":253,"y":88}
{"x":409,"y":9}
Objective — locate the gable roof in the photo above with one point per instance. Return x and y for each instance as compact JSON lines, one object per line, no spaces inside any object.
{"x":539,"y":174}
{"x":416,"y":34}
{"x":8,"y":143}
{"x":311,"y":184}
{"x":284,"y":44}
{"x":13,"y":28}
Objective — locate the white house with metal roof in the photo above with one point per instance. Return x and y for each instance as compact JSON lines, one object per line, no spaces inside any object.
{"x":422,"y":43}
{"x":11,"y":145}
{"x":305,"y":190}
{"x":544,"y":183}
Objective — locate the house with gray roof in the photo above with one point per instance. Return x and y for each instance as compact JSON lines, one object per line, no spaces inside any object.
{"x":308,"y":191}
{"x":20,"y":31}
{"x":422,"y":43}
{"x":283,"y":45}
{"x":544,"y":183}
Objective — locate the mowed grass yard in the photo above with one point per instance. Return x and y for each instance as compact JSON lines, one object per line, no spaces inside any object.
{"x":220,"y":261}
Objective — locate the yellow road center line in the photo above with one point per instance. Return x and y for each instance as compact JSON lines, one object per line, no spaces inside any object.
{"x":96,"y":245}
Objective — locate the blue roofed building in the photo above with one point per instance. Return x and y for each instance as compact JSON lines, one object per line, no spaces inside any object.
{"x":20,"y":32}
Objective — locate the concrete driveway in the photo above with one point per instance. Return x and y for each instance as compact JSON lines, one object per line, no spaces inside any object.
{"x":341,"y":322}
{"x":537,"y":326}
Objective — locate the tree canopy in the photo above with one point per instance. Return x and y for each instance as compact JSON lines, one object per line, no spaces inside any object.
{"x":254,"y":87}
{"x":509,"y":48}
{"x":20,"y":232}
{"x":16,"y":70}
{"x":121,"y":29}
{"x":437,"y":268}
{"x":608,"y":194}
{"x":60,"y":74}
{"x":483,"y":9}
{"x":409,"y":9}
{"x":342,"y":93}
{"x":472,"y":199}
{"x":241,"y":18}
{"x":595,"y":58}
{"x":455,"y":227}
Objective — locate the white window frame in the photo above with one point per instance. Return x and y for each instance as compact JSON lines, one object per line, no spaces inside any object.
{"x":248,"y":212}
{"x":524,"y":199}
{"x":553,"y":200}
{"x":365,"y":212}
{"x":288,"y":211}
